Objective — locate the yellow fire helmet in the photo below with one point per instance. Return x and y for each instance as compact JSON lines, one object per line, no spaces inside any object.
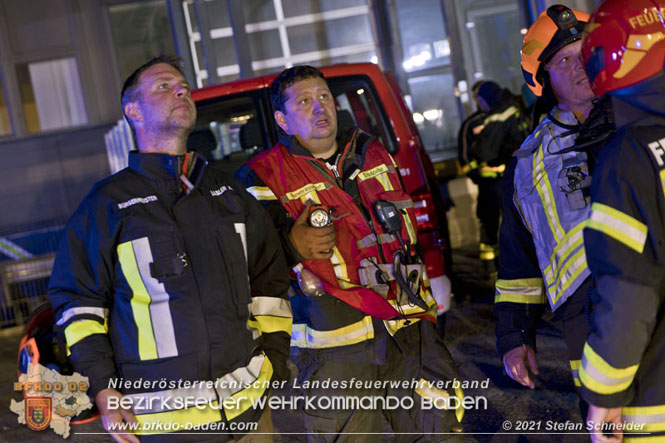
{"x":555,"y":28}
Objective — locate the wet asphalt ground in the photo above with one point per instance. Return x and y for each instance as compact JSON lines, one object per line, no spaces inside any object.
{"x":469,"y":337}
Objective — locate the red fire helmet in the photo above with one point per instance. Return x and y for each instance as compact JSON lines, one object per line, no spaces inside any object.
{"x":624,"y":44}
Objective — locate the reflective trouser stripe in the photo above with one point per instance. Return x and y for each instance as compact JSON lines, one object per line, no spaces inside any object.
{"x":653,"y":418}
{"x":574,"y":368}
{"x":78,"y":330}
{"x":302,"y":336}
{"x":621,"y":227}
{"x":271,"y":314}
{"x":244,"y":386}
{"x":542,"y":183}
{"x":429,"y":390}
{"x":524,"y":290}
{"x":150,"y":302}
{"x":261,"y":193}
{"x":599,"y":376}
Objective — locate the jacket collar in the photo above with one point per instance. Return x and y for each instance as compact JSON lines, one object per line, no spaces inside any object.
{"x":155,"y":166}
{"x":295,"y":148}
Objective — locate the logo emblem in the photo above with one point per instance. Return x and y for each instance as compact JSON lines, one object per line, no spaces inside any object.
{"x":38,"y":412}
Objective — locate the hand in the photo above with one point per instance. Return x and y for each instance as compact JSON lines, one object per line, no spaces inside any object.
{"x":312,"y":243}
{"x":112,"y":419}
{"x":515,"y":363}
{"x":598,"y":416}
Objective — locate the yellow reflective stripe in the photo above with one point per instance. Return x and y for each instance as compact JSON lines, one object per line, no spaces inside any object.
{"x":571,"y":241}
{"x":385,"y":182}
{"x":155,"y":423}
{"x":574,"y":369}
{"x":140,"y":302}
{"x":409,"y":228}
{"x":599,"y":376}
{"x":524,"y":290}
{"x":505,"y":115}
{"x":653,"y":417}
{"x":310,"y":188}
{"x":429,"y":390}
{"x":374,"y":172}
{"x":261,"y":193}
{"x":662,"y":180}
{"x":569,"y":273}
{"x":269,"y":323}
{"x":78,"y":330}
{"x":247,"y":398}
{"x":339,"y":266}
{"x":542,"y":183}
{"x":619,"y":226}
{"x":302,"y":336}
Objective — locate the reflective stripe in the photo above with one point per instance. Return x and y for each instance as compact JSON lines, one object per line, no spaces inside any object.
{"x":78,"y":330}
{"x":573,"y":268}
{"x":12,"y":250}
{"x":524,"y":290}
{"x":619,"y":226}
{"x":375,"y":172}
{"x":574,"y":369}
{"x":392,"y":326}
{"x":385,"y":182}
{"x":261,"y":193}
{"x":247,"y":398}
{"x":652,"y":416}
{"x":271,"y":314}
{"x":505,"y":115}
{"x":309,"y":189}
{"x":599,"y":376}
{"x":102,"y":313}
{"x":339,"y":266}
{"x":571,"y":241}
{"x":270,"y":306}
{"x":241,"y":230}
{"x":366,"y":241}
{"x":155,"y":423}
{"x":302,"y":336}
{"x":662,"y":180}
{"x":542,"y":183}
{"x":429,"y":390}
{"x":150,"y":302}
{"x":245,"y":385}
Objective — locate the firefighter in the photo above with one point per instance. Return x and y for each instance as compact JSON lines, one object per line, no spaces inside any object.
{"x":545,"y":201}
{"x":362,"y":304}
{"x":168,"y":273}
{"x":504,"y":129}
{"x":622,"y":367}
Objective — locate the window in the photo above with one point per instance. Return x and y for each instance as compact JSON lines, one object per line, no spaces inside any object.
{"x":283,"y":33}
{"x":5,"y":126}
{"x":229,"y":131}
{"x":141,"y":31}
{"x":51,"y":94}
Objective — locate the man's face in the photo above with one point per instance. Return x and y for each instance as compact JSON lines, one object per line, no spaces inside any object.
{"x":569,"y":81}
{"x":309,"y":114}
{"x":164,"y":101}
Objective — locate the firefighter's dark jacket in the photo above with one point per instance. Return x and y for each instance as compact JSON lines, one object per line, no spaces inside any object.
{"x":623,"y":362}
{"x":151,"y":283}
{"x":506,"y":126}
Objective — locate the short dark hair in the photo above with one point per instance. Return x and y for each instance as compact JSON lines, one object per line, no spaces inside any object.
{"x":130,"y":92}
{"x":286,"y":79}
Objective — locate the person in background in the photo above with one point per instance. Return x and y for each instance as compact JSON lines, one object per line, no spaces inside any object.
{"x":170,"y":272}
{"x":504,"y":128}
{"x":622,"y":368}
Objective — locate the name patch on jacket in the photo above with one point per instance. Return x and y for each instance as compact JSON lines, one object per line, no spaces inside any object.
{"x":137,"y":200}
{"x":220,"y":191}
{"x":381,"y":169}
